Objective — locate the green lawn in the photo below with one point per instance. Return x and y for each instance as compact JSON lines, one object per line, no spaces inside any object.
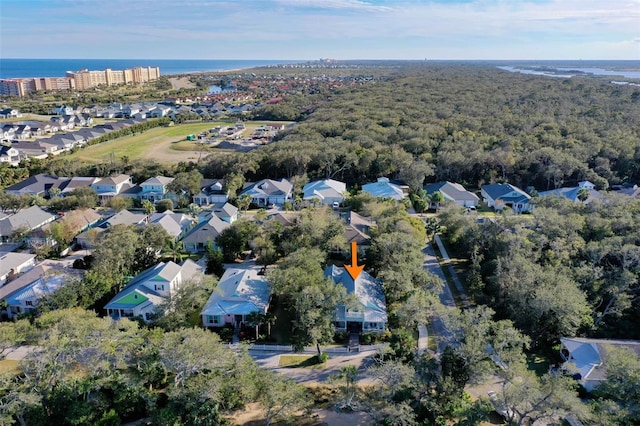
{"x":538,"y":364}
{"x":299,"y":361}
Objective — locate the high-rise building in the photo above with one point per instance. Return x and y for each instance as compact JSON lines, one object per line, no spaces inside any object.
{"x":79,"y":80}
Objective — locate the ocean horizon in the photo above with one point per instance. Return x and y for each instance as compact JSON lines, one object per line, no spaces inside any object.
{"x":42,"y":67}
{"x":24,"y":68}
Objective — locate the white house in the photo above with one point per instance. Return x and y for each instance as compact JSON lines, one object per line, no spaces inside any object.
{"x":109,"y":187}
{"x":240,"y":292}
{"x":144,"y":293}
{"x":501,"y":195}
{"x":370,"y":315}
{"x":268,"y":191}
{"x":9,"y":155}
{"x":382,"y":188}
{"x":203,"y":234}
{"x":327,"y":191}
{"x":588,"y":357}
{"x":23,"y":294}
{"x":12,"y":264}
{"x":453,"y":192}
{"x":573,"y":193}
{"x":212,"y":191}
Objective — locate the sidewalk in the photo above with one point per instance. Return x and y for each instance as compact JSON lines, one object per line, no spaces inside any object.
{"x":454,"y":275}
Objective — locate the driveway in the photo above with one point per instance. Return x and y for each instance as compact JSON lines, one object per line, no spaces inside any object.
{"x":308,"y":376}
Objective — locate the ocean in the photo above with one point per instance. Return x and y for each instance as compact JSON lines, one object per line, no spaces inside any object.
{"x":16,"y":68}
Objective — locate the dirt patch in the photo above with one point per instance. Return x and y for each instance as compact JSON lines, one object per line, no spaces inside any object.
{"x":253,"y":416}
{"x":181,"y":83}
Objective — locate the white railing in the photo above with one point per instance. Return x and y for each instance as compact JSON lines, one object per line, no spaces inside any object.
{"x":312,"y":349}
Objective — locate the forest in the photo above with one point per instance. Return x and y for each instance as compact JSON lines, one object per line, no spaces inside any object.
{"x":566,"y":269}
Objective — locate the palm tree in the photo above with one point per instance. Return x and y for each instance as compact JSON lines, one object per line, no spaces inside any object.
{"x":174,"y":249}
{"x":244,"y":201}
{"x":437,"y":198}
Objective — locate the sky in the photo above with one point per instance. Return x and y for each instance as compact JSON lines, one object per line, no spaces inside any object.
{"x":313,"y":29}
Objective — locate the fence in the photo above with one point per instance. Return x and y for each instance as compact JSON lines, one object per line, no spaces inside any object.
{"x":329,"y":350}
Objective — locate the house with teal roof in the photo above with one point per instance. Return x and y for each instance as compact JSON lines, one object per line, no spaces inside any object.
{"x":149,"y":289}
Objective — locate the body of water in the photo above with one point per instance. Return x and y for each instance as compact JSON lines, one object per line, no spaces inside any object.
{"x":567,"y":69}
{"x":16,"y":68}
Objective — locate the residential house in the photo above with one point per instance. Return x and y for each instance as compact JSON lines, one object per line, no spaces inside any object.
{"x":13,"y":264}
{"x":109,"y":187}
{"x":23,"y":293}
{"x":629,"y":190}
{"x":370,"y":313}
{"x":149,"y":289}
{"x":383,"y":188}
{"x":211,"y":191}
{"x":240,"y":291}
{"x":225,"y":211}
{"x":584,"y":189}
{"x":453,"y":192}
{"x":154,"y":189}
{"x":76,"y":221}
{"x":10,"y":113}
{"x":41,"y":128}
{"x":67,"y":187}
{"x":35,"y":185}
{"x":357,"y":230}
{"x":23,"y":222}
{"x":203,"y":234}
{"x":588,"y":357}
{"x":327,"y":191}
{"x":9,"y":155}
{"x":176,"y":224}
{"x":87,"y":239}
{"x":501,"y":195}
{"x":64,"y":110}
{"x":267,"y":191}
{"x":22,"y":132}
{"x":37,"y":149}
{"x":7,"y":132}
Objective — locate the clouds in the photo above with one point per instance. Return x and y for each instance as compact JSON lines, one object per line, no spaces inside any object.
{"x":304,"y":29}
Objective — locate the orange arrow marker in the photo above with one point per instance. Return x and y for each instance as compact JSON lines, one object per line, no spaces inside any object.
{"x":353,"y":269}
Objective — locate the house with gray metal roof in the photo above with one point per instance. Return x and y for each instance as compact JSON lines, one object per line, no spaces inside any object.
{"x":240,"y":291}
{"x":149,"y":289}
{"x":501,"y":195}
{"x":453,"y":192}
{"x":12,"y":264}
{"x":588,"y":357}
{"x":383,"y":188}
{"x":24,"y":221}
{"x":370,"y":314}
{"x":268,"y":191}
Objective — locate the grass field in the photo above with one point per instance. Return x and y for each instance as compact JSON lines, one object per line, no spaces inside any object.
{"x":162,"y":144}
{"x":299,"y":361}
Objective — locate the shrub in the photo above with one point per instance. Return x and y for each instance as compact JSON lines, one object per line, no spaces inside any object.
{"x":324,"y":357}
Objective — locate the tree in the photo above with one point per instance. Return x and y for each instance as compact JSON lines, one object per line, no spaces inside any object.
{"x":215,"y":260}
{"x":186,"y":184}
{"x":437,"y":198}
{"x":243,"y":202}
{"x":311,"y":298}
{"x":280,"y":396}
{"x":119,"y":203}
{"x":148,"y":207}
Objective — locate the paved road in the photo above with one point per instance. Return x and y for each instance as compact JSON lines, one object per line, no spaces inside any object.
{"x":270,"y":360}
{"x":432,"y":265}
{"x":454,"y":276}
